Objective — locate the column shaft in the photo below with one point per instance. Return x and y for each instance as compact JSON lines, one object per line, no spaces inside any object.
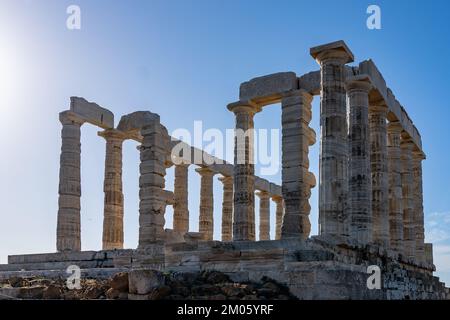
{"x":244,"y":171}
{"x":68,"y":234}
{"x":360,"y":188}
{"x":418,"y":206}
{"x":333,"y":218}
{"x":297,"y":181}
{"x":409,"y":230}
{"x":206,"y":219}
{"x":152,"y":204}
{"x":264,"y":215}
{"x":227,"y":208}
{"x":181,"y":207}
{"x":278,"y":216}
{"x":395,"y":186}
{"x":112,"y":187}
{"x":380,"y":178}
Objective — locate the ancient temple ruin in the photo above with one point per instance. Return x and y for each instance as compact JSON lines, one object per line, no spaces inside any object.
{"x":370,"y":192}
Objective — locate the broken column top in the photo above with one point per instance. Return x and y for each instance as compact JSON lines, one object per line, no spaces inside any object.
{"x":92,"y":113}
{"x":335,"y":46}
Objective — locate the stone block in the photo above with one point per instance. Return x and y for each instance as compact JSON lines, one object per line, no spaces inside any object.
{"x":92,"y":113}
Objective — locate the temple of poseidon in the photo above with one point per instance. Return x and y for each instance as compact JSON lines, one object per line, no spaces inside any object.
{"x":370,"y":192}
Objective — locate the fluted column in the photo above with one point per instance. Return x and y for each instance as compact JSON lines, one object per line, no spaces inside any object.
{"x":206,"y":219}
{"x":360,"y":188}
{"x":112,"y":187}
{"x":227,"y":208}
{"x":417,"y":159}
{"x":264,"y":215}
{"x":152,"y":198}
{"x":380,"y":178}
{"x":181,"y":207}
{"x":279,"y":211}
{"x":409,"y":230}
{"x":296,"y":178}
{"x":395,"y":186}
{"x":68,"y":233}
{"x":333,"y":186}
{"x":244,"y":172}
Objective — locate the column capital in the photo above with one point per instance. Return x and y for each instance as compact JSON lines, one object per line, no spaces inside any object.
{"x":112,"y":134}
{"x":418,"y":155}
{"x":407,"y":144}
{"x":244,"y":107}
{"x":337,"y":50}
{"x":277,"y":198}
{"x":205,"y":171}
{"x":263,"y":194}
{"x":69,"y":117}
{"x":360,"y":82}
{"x":395,"y":127}
{"x":226,"y":179}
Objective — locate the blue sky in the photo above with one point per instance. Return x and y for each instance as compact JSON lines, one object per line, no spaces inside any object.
{"x":185,"y":60}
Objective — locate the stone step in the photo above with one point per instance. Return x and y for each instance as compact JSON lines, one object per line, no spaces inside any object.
{"x":97,"y":273}
{"x":61,"y":265}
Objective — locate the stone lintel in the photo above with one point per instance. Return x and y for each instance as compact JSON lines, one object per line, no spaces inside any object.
{"x":132,"y":123}
{"x":268,"y":89}
{"x":338,"y":48}
{"x":92,"y":112}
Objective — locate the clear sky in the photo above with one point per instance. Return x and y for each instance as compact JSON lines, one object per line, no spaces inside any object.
{"x":185,"y":60}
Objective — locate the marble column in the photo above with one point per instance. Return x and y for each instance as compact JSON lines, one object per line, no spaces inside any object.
{"x":227,"y":208}
{"x":409,"y":230}
{"x":296,"y":187}
{"x":181,"y":207}
{"x":112,"y":187}
{"x":264,"y":215}
{"x":395,"y":186}
{"x":244,"y":171}
{"x":152,"y":204}
{"x":417,"y":159}
{"x":68,"y":233}
{"x":333,"y":186}
{"x":278,"y":215}
{"x":380,"y":177}
{"x":360,"y":185}
{"x":206,"y":219}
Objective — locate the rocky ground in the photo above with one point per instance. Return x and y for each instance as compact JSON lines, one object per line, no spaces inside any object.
{"x":146,"y":285}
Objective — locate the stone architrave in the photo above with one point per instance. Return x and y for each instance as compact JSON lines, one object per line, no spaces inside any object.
{"x":395,"y":186}
{"x":333,"y":186}
{"x":264,"y":215}
{"x":112,"y":187}
{"x":380,"y":177}
{"x":227,"y":208}
{"x":68,"y":233}
{"x":296,"y":178}
{"x":206,"y":219}
{"x":244,"y":171}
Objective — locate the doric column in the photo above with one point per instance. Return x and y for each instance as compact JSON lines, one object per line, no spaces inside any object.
{"x":112,"y":187}
{"x":68,"y":233}
{"x":418,"y":156}
{"x":227,"y":208}
{"x":296,"y":178}
{"x":360,"y":187}
{"x":180,"y":207}
{"x":278,"y":215}
{"x":395,"y":186}
{"x":244,"y":172}
{"x":264,"y":215}
{"x":380,"y":177}
{"x":409,"y":230}
{"x":333,"y":218}
{"x":206,"y":219}
{"x":152,"y":204}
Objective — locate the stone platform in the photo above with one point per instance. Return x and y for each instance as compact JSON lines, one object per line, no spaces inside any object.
{"x":316,"y":268}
